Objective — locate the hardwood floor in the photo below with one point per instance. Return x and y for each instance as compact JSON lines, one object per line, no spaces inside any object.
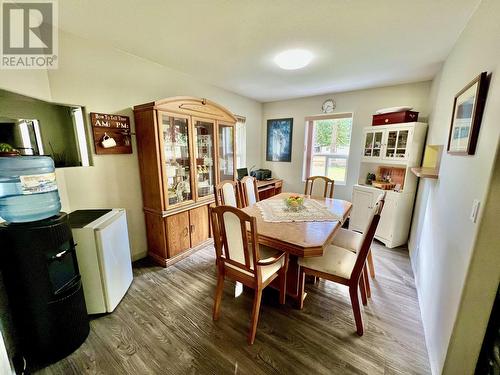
{"x":164,"y":326}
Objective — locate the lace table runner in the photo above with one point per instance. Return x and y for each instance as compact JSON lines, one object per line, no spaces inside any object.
{"x":275,"y":211}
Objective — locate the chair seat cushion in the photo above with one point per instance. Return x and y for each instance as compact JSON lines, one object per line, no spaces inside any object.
{"x":334,"y":261}
{"x":347,"y":239}
{"x":266,"y":271}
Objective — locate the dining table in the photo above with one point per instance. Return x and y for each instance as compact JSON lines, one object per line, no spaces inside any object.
{"x":300,"y":238}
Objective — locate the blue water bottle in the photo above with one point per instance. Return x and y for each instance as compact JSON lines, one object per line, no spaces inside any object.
{"x":28,"y":189}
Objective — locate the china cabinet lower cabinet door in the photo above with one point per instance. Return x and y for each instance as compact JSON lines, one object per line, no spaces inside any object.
{"x":198,"y":220}
{"x":362,"y":202}
{"x":178,"y":237}
{"x":386,"y":225}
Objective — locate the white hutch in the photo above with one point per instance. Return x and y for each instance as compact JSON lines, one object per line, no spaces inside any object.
{"x":396,"y":147}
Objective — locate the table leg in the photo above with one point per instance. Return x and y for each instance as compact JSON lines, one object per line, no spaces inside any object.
{"x":292,"y":280}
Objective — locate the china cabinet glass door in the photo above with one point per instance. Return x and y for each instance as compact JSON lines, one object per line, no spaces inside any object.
{"x":204,"y":154}
{"x":175,"y":131}
{"x":373,"y":144}
{"x":397,"y":141}
{"x":402,"y":144}
{"x":226,"y":152}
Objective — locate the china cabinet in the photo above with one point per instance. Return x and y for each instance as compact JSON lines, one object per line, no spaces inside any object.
{"x":185,"y":146}
{"x":396,"y":147}
{"x":391,"y":143}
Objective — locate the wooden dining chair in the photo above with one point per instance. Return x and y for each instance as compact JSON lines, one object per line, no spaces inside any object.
{"x":249,"y":192}
{"x":227,"y":193}
{"x":329,"y":186}
{"x":350,"y":240}
{"x":343,"y":266}
{"x":241,"y":258}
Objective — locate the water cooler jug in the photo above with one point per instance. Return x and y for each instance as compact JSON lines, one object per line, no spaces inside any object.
{"x":43,"y":285}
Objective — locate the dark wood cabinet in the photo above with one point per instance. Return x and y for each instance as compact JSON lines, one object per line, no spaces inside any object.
{"x":269,"y":188}
{"x":185,"y":146}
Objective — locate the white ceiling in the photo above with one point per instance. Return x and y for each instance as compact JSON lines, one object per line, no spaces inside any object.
{"x":231,"y":43}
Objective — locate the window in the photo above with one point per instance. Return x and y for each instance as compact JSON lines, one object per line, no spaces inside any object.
{"x":241,"y":150}
{"x":328,"y":138}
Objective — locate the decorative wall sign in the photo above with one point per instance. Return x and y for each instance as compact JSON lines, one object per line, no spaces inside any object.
{"x":279,"y":139}
{"x":466,"y":119}
{"x":111,"y":133}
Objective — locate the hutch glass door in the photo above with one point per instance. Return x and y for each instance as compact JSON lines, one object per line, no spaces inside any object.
{"x":373,"y":144}
{"x":397,"y":141}
{"x":204,"y":154}
{"x":175,"y":131}
{"x":226,"y":152}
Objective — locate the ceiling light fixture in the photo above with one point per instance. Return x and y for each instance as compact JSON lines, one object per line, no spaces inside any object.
{"x":293,"y":59}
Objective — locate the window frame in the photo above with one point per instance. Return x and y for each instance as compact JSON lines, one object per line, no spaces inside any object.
{"x":240,"y":136}
{"x":308,"y":146}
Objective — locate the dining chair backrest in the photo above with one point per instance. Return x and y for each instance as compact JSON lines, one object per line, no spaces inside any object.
{"x":314,"y":190}
{"x":232,"y":245}
{"x":227,"y":193}
{"x":367,"y":237}
{"x":249,"y":190}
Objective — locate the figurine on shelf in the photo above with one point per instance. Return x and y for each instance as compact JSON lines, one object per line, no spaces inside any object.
{"x":179,"y":190}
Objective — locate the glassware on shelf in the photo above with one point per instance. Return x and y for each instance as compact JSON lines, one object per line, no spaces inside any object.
{"x":176,"y":152}
{"x":402,"y":138}
{"x":205,"y":171}
{"x":391,"y":139}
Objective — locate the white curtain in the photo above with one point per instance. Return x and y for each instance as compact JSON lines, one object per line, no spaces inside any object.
{"x":241,"y":146}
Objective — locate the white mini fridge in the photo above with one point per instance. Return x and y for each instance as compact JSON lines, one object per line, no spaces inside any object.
{"x":103,"y":254}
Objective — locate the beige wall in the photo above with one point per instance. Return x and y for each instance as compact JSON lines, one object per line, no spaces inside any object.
{"x":362,"y":103}
{"x":443,"y":239}
{"x":106,"y":80}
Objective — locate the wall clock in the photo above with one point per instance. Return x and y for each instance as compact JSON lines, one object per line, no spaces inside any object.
{"x":328,"y":106}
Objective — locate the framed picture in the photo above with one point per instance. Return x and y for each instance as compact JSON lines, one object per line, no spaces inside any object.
{"x":466,"y":119}
{"x":279,"y":139}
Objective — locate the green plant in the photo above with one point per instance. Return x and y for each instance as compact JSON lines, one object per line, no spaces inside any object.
{"x":5,"y":147}
{"x":333,"y":132}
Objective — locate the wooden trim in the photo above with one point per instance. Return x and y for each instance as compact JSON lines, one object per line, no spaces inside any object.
{"x":189,"y":105}
{"x":330,"y":116}
{"x":146,"y":126}
{"x":181,"y":207}
{"x":216,"y":154}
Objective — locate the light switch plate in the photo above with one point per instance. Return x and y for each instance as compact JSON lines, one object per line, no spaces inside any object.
{"x":475,"y":210}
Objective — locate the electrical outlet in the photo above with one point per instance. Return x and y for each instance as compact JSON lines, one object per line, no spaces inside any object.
{"x":475,"y":210}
